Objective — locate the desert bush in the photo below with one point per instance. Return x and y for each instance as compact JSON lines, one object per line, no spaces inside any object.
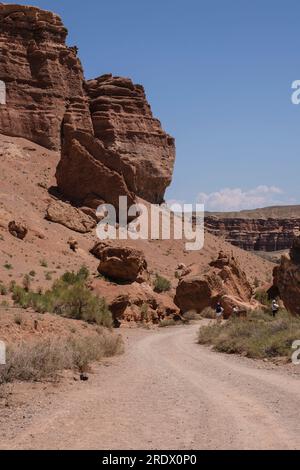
{"x":167,"y":322}
{"x":12,"y":285}
{"x":3,"y":290}
{"x":144,"y":312}
{"x":45,"y":358}
{"x":209,"y":313}
{"x":257,"y":336}
{"x":192,"y":315}
{"x":27,"y":282}
{"x":68,"y":297}
{"x":161,"y":284}
{"x":262,"y":296}
{"x":18,"y":319}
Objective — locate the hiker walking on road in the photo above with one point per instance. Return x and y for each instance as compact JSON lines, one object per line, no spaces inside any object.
{"x":235,"y":311}
{"x":275,"y":308}
{"x":219,"y":311}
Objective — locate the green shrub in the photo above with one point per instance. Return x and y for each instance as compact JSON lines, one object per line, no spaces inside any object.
{"x":257,"y":336}
{"x":144,"y":312}
{"x":27,"y":282}
{"x":167,"y":322}
{"x":192,"y":315}
{"x":262,"y":297}
{"x":161,"y":284}
{"x":3,"y":290}
{"x":68,"y":297}
{"x":209,"y":313}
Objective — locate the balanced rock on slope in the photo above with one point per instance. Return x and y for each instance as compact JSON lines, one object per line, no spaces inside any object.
{"x":224,"y":282}
{"x":64,"y":214}
{"x":287,"y":279}
{"x":121,"y":263}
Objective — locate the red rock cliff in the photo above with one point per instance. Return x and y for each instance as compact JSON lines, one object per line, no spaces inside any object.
{"x":255,"y":234}
{"x":110,"y":143}
{"x":43,"y":76}
{"x":123,"y":121}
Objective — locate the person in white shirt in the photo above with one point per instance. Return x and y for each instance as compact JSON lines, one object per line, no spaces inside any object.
{"x":275,"y":308}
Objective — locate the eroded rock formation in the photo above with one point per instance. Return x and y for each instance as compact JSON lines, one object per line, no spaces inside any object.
{"x":121,"y":263}
{"x":224,"y":282}
{"x":287,"y":279}
{"x":136,"y":303}
{"x":123,"y":121}
{"x":255,"y":234}
{"x":110,"y":143}
{"x":71,"y":217}
{"x":43,"y":76}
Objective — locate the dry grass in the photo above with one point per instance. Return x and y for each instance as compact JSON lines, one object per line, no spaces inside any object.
{"x":192,"y":316}
{"x":209,"y":313}
{"x":257,"y":336}
{"x":167,"y":322}
{"x":45,"y":358}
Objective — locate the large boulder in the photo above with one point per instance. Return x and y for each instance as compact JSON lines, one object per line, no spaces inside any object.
{"x":287,"y":279}
{"x":223,"y":282}
{"x":121,"y":263}
{"x":18,"y":229}
{"x":64,"y":214}
{"x":136,"y":303}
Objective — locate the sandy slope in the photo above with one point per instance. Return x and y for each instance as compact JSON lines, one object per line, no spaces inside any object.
{"x":26,"y":173}
{"x":167,"y":392}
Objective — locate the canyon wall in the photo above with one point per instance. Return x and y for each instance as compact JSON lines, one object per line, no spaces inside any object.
{"x":255,"y":234}
{"x":110,"y":143}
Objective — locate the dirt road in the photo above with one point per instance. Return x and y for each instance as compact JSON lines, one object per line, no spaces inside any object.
{"x":167,"y":392}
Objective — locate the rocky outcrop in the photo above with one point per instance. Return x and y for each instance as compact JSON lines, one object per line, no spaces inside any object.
{"x":43,"y":77}
{"x":18,"y":229}
{"x":64,"y":214}
{"x":121,"y":263}
{"x":136,"y":303}
{"x":287,"y":279}
{"x":110,"y":143}
{"x":123,"y":121}
{"x":223,"y":282}
{"x":255,"y":234}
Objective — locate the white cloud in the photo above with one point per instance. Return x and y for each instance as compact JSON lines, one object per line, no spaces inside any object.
{"x":235,"y":199}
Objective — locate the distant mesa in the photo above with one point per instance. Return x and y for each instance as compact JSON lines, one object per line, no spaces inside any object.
{"x":269,"y":229}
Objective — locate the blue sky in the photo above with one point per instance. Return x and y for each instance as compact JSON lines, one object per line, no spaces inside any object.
{"x":218,"y":74}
